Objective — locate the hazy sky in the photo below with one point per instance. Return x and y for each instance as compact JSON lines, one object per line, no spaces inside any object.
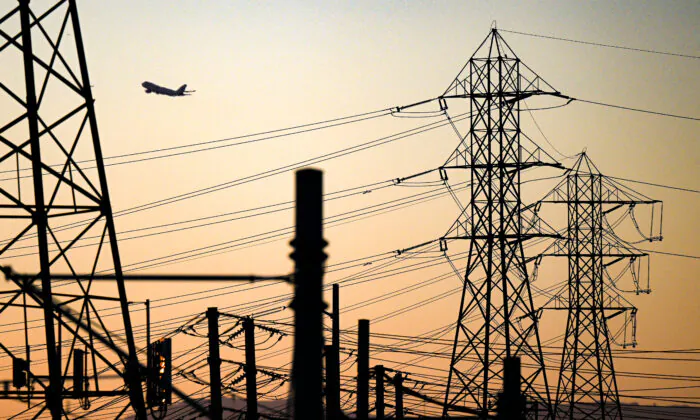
{"x":259,"y":66}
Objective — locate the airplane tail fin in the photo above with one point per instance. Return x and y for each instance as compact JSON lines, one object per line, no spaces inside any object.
{"x":181,"y":90}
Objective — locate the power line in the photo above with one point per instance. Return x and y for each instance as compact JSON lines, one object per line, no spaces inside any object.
{"x":656,"y":185}
{"x":276,"y":171}
{"x":598,"y":44}
{"x":335,"y":122}
{"x":532,"y":116}
{"x":645,"y":111}
{"x":673,"y":254}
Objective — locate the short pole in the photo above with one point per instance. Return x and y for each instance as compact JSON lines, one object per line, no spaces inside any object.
{"x":251,"y":385}
{"x":363,"y":370}
{"x":336,"y":316}
{"x":216,"y":411}
{"x":379,"y":381}
{"x":511,"y":403}
{"x":398,"y":391}
{"x":332,"y":383}
{"x":148,"y":334}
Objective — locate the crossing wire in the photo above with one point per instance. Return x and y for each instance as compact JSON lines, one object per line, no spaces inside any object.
{"x":598,"y":44}
{"x":335,"y":122}
{"x":645,"y":111}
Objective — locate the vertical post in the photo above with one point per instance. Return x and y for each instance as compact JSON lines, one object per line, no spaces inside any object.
{"x":59,"y":342}
{"x":148,"y":334}
{"x":398,"y":391}
{"x":40,"y":218}
{"x":308,"y":305}
{"x":511,"y":403}
{"x":379,"y":381}
{"x":333,"y":360}
{"x":251,"y":385}
{"x":332,"y":383}
{"x":78,"y":373}
{"x":336,"y":317}
{"x":214,"y":360}
{"x":363,"y":370}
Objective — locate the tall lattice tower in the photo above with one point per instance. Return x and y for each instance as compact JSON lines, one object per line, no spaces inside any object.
{"x":496,"y":316}
{"x":57,"y":217}
{"x":587,"y":388}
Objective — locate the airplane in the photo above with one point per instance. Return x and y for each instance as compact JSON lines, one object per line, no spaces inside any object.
{"x":160,"y":90}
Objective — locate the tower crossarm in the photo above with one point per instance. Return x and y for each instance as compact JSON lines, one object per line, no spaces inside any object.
{"x":513,"y":239}
{"x":513,"y":97}
{"x":512,"y":166}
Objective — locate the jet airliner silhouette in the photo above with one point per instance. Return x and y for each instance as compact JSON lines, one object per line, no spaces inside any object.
{"x":160,"y":90}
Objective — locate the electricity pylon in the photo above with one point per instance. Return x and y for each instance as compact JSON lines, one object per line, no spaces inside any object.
{"x":587,"y":388}
{"x":496,"y":317}
{"x":56,"y":208}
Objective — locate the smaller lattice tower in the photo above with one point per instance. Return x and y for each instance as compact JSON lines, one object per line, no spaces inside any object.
{"x":587,"y":388}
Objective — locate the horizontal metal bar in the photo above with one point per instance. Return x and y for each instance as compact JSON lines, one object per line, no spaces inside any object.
{"x":589,"y":308}
{"x":11,"y":275}
{"x":522,"y":236}
{"x":20,"y":305}
{"x":602,"y":254}
{"x":622,"y":202}
{"x":10,"y":394}
{"x":96,"y":297}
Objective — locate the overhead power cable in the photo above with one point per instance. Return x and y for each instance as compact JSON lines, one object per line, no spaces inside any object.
{"x":673,"y":254}
{"x":645,"y":111}
{"x":249,"y":138}
{"x":276,"y":171}
{"x":598,"y":44}
{"x":656,"y":185}
{"x":532,"y":116}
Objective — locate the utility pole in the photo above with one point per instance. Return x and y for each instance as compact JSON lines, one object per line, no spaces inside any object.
{"x":335,"y":339}
{"x":332,"y":383}
{"x":363,"y":369}
{"x":308,"y":305}
{"x":333,"y":361}
{"x":379,"y":382}
{"x":148,"y":334}
{"x":251,"y":385}
{"x":511,"y":403}
{"x":398,"y":391}
{"x":214,"y":360}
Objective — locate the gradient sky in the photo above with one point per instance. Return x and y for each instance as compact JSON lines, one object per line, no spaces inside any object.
{"x":259,"y":66}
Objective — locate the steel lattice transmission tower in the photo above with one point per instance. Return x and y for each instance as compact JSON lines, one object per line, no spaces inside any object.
{"x":56,"y":213}
{"x":587,"y":388}
{"x":496,"y":317}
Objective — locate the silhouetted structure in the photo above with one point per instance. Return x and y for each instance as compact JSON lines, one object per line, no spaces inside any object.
{"x":308,"y":304}
{"x":214,"y":362}
{"x":587,"y":388}
{"x":496,"y":292}
{"x":50,"y":132}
